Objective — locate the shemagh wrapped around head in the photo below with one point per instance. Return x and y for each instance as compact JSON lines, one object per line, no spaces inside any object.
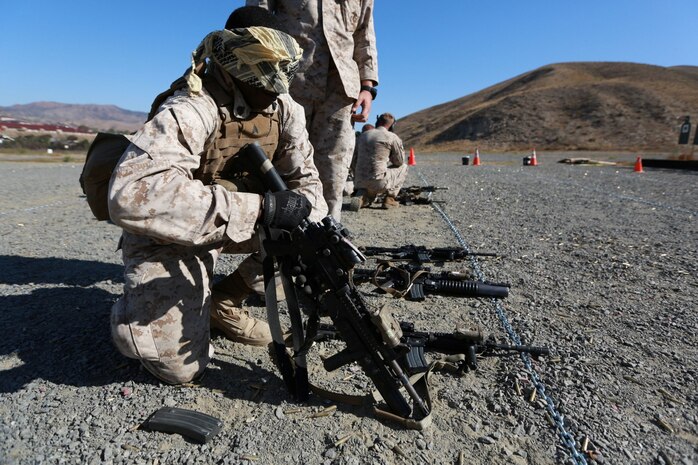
{"x":259,"y":56}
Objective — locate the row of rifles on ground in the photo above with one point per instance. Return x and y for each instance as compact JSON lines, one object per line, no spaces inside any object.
{"x":318,"y":267}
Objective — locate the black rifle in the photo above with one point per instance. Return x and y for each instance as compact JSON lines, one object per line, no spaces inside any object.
{"x":469,"y":343}
{"x":416,"y":194}
{"x":422,"y":254}
{"x":415,"y":281}
{"x":315,"y":260}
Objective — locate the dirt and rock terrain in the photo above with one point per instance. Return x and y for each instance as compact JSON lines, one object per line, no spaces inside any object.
{"x":602,"y":263}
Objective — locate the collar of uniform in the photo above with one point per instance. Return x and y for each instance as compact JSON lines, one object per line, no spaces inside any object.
{"x":242,"y":110}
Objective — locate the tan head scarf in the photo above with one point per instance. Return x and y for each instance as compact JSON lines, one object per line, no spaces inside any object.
{"x":259,"y":56}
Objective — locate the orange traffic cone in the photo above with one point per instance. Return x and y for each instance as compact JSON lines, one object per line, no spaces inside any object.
{"x":476,"y":160}
{"x":534,"y":161}
{"x":638,"y":165}
{"x":411,"y":161}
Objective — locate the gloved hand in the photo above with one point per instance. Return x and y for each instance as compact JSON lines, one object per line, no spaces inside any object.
{"x":285,"y":209}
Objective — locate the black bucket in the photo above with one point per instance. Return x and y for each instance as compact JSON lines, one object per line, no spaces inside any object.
{"x":527,"y":161}
{"x":466,"y":160}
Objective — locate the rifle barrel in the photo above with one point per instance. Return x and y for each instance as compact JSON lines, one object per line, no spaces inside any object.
{"x":517,"y":348}
{"x":445,"y":343}
{"x":465,"y":288}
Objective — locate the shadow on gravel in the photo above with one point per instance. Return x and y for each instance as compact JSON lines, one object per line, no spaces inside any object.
{"x":59,"y":335}
{"x":247,"y":381}
{"x":62,"y":334}
{"x":25,"y":270}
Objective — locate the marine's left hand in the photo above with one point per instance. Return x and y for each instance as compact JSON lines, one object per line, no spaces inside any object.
{"x":364,"y":100}
{"x":285,"y":209}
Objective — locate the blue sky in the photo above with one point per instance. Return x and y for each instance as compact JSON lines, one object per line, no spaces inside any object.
{"x":124,"y":53}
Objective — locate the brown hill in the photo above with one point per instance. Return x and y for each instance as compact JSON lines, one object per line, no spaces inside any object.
{"x":565,"y":106}
{"x":100,"y":117}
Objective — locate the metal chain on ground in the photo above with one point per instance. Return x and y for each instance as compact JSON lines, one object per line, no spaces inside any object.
{"x":559,"y":420}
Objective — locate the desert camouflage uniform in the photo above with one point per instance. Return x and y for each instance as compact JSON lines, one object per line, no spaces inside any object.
{"x":175,"y":228}
{"x":380,"y":162}
{"x":339,"y":51}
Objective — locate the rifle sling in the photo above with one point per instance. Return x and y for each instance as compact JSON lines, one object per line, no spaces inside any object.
{"x":293,"y":369}
{"x":300,"y":345}
{"x":384,"y":266}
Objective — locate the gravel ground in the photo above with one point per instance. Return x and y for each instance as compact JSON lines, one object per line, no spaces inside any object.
{"x":602,"y":263}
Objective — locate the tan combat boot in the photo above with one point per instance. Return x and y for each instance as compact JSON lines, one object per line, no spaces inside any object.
{"x":228,"y":316}
{"x":390,"y":202}
{"x":361,"y":199}
{"x":367,"y":200}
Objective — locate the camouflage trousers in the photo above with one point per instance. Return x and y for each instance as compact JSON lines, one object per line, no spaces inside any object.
{"x":390,"y":184}
{"x":328,"y":119}
{"x":163,"y":318}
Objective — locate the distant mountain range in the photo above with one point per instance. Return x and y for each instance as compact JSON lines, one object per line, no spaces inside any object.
{"x":98,"y":117}
{"x":565,"y":106}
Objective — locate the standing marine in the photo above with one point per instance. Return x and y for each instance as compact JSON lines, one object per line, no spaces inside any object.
{"x":338,"y":74}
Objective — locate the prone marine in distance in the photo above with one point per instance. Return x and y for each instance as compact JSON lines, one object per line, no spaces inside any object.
{"x":380,"y":166}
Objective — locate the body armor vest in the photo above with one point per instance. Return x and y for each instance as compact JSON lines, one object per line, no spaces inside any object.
{"x":218,"y":160}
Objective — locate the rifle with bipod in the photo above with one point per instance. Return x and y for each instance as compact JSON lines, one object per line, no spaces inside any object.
{"x":315,"y":260}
